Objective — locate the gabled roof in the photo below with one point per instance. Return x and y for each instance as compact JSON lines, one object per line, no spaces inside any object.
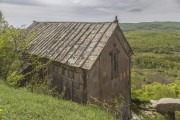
{"x":76,"y":44}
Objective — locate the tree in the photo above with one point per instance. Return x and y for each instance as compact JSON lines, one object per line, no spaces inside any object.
{"x":13,"y":43}
{"x":1,"y":15}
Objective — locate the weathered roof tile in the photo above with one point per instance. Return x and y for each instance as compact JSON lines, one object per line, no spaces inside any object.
{"x":71,"y":43}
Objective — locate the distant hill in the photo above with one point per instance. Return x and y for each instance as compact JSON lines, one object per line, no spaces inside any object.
{"x":156,"y":47}
{"x":153,"y":26}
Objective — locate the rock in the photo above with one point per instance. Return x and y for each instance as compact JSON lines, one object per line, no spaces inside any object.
{"x":154,"y":103}
{"x":166,"y":105}
{"x":134,"y":117}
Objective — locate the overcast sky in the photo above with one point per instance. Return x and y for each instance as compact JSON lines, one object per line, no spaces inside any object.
{"x":23,"y":12}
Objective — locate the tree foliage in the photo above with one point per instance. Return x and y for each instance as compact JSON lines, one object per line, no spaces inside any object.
{"x":14,"y":57}
{"x":13,"y":43}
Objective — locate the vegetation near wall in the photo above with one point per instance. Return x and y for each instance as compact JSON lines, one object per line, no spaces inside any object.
{"x":12,"y":45}
{"x":14,"y":58}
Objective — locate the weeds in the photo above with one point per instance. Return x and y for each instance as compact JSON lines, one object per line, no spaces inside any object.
{"x":114,"y":106}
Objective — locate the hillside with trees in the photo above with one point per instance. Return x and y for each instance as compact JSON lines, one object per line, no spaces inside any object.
{"x":156,"y":61}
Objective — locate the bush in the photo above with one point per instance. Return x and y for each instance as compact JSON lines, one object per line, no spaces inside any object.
{"x":176,"y":87}
{"x":113,"y":106}
{"x":13,"y":78}
{"x":156,"y":91}
{"x":13,"y":43}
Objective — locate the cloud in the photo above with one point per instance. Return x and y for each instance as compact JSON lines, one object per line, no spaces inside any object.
{"x":136,"y":10}
{"x":177,"y":1}
{"x":112,"y":6}
{"x":76,"y":1}
{"x":105,"y":7}
{"x":25,"y":11}
{"x":21,"y":2}
{"x":85,"y":5}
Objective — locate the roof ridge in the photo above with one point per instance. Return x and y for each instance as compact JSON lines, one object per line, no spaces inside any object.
{"x":71,"y":22}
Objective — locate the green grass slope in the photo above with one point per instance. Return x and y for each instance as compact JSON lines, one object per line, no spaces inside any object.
{"x":156,"y":52}
{"x":22,"y":105}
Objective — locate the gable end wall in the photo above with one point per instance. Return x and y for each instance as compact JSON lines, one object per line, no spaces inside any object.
{"x":100,"y":84}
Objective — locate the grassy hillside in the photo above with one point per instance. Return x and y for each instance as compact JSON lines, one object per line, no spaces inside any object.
{"x":156,"y":52}
{"x":156,"y":58}
{"x":155,"y":26}
{"x":154,"y":41}
{"x":23,"y":105}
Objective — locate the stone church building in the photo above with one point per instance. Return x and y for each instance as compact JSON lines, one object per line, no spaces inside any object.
{"x":89,"y":59}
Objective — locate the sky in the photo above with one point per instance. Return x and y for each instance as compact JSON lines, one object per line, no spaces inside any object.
{"x":23,"y":12}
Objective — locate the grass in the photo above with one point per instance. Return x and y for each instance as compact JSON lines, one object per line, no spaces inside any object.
{"x":22,"y":105}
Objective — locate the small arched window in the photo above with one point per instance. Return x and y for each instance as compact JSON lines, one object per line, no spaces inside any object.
{"x":114,"y":62}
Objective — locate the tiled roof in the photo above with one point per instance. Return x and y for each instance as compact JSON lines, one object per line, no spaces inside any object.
{"x":73,"y":43}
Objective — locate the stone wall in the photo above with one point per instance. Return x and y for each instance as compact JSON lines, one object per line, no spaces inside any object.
{"x":101,"y":83}
{"x":69,"y":80}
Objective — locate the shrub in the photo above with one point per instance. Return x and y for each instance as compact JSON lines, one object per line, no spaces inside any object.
{"x":114,"y":105}
{"x":13,"y":78}
{"x":157,"y":91}
{"x":176,"y":87}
